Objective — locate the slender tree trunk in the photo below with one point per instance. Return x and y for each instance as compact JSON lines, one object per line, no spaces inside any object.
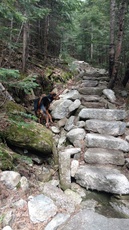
{"x":25,"y":45}
{"x":126,"y":77}
{"x":46,"y":34}
{"x":119,"y":44}
{"x":92,"y":46}
{"x":112,"y":36}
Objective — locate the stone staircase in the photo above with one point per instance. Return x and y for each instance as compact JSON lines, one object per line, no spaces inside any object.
{"x":105,"y":142}
{"x":106,"y":147}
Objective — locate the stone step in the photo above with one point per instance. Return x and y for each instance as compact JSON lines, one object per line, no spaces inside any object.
{"x":106,"y":142}
{"x":104,"y":156}
{"x":102,"y":178}
{"x":102,"y":114}
{"x":93,"y":104}
{"x":114,"y":128}
{"x":88,"y":83}
{"x":91,"y":90}
{"x":90,"y":98}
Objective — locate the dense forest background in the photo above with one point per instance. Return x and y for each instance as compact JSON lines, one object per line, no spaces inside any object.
{"x":35,"y":32}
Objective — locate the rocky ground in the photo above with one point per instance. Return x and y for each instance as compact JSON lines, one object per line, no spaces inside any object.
{"x":14,"y":200}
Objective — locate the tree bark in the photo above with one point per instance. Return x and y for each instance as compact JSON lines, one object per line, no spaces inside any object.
{"x":126,"y":77}
{"x":112,"y":36}
{"x":119,"y":44}
{"x":25,"y":45}
{"x":46,"y":33}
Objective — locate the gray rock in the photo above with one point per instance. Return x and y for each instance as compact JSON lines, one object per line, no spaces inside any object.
{"x":55,"y":129}
{"x":91,"y":90}
{"x":121,"y":206}
{"x":62,"y":122}
{"x":74,"y":196}
{"x":75,"y":105}
{"x":89,"y":220}
{"x":107,"y":142}
{"x":74,"y":167}
{"x":80,"y":124}
{"x":7,"y":228}
{"x":102,"y":178}
{"x":41,"y":208}
{"x":104,"y":156}
{"x":64,"y":170}
{"x":114,"y":128}
{"x":89,"y":83}
{"x":59,"y":219}
{"x":102,"y":114}
{"x":70,"y":123}
{"x":93,"y":104}
{"x":74,"y":135}
{"x":24,"y":183}
{"x":61,"y":110}
{"x":110,"y":95}
{"x":78,"y":189}
{"x":72,"y":94}
{"x":10,"y":178}
{"x":89,"y":98}
{"x":62,"y":201}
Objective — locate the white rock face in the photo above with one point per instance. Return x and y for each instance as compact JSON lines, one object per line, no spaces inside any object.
{"x":10,"y":178}
{"x":75,"y":135}
{"x":114,"y":128}
{"x":110,"y":95}
{"x":59,"y":219}
{"x":102,"y":178}
{"x":41,"y":208}
{"x":61,"y":110}
{"x":107,"y":142}
{"x":104,"y":156}
{"x":88,"y":219}
{"x":72,"y":94}
{"x":102,"y":114}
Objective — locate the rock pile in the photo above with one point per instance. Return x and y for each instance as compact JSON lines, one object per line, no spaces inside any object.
{"x":92,"y":145}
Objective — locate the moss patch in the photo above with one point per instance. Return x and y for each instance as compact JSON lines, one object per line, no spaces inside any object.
{"x":7,"y":158}
{"x":31,"y":136}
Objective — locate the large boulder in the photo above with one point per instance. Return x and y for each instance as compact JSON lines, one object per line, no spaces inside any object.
{"x":30,"y":136}
{"x":102,"y":178}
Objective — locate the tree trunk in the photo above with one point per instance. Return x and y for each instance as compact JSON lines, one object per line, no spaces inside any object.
{"x":119,"y":44}
{"x":46,"y":33}
{"x":112,"y":36}
{"x":92,"y":46}
{"x":25,"y":45}
{"x":126,"y":77}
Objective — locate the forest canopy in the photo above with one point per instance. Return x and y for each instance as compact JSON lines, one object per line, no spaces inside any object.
{"x":32,"y":31}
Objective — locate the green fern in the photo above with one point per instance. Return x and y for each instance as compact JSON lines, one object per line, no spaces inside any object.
{"x":28,"y":83}
{"x":6,"y":74}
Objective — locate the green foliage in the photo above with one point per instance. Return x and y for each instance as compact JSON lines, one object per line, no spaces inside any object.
{"x":6,"y":74}
{"x":11,"y":78}
{"x":27,"y":84}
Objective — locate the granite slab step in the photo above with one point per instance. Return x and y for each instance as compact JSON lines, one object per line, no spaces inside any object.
{"x":102,"y":178}
{"x":91,"y":90}
{"x":94,"y":140}
{"x":114,"y":128}
{"x":104,"y":156}
{"x":102,"y":114}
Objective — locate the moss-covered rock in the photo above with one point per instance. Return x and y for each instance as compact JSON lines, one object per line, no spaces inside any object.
{"x":12,"y":107}
{"x":7,"y":158}
{"x":31,"y":136}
